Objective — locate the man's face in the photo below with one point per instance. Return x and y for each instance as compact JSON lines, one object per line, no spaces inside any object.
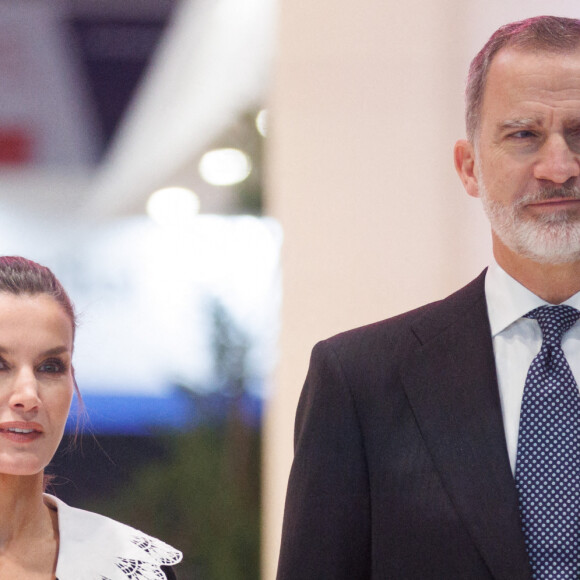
{"x":526,"y":160}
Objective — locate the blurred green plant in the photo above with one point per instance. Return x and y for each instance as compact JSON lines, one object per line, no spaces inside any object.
{"x":204,"y":497}
{"x":201,"y":502}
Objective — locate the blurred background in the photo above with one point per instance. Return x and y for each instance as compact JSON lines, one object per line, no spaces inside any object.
{"x":219,"y":184}
{"x":131,"y":153}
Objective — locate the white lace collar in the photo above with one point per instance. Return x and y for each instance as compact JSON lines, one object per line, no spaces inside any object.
{"x":94,"y":547}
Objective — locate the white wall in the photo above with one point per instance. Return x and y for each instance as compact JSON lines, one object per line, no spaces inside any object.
{"x":366,"y":106}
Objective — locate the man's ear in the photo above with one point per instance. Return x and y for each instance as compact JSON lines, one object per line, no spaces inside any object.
{"x":464,"y":155}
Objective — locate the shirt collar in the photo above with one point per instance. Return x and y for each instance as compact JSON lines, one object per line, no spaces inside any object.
{"x":508,"y":300}
{"x":94,"y":546}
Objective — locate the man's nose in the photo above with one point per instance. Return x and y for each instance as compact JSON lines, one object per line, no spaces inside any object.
{"x":557,"y":163}
{"x":24,"y":391}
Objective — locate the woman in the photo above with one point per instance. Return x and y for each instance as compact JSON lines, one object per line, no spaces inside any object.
{"x":40,"y":536}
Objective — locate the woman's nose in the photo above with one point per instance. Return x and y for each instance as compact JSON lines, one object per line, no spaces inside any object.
{"x":24,"y":391}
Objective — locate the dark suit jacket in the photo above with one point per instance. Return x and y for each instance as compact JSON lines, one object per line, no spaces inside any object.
{"x":401,"y":468}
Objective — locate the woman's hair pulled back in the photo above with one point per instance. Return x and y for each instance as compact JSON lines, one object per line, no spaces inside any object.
{"x":20,"y":276}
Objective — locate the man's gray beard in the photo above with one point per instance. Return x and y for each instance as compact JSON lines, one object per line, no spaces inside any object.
{"x":546,"y":238}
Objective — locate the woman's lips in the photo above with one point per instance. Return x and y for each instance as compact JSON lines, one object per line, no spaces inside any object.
{"x":21,"y":431}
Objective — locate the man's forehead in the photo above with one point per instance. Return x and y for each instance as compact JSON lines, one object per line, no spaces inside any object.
{"x":527,"y":79}
{"x":511,"y":57}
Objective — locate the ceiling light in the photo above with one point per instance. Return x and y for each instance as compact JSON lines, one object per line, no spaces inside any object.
{"x":225,"y":166}
{"x":173,"y":206}
{"x":262,"y":122}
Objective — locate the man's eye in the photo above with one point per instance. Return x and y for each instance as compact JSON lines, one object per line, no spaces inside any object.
{"x":573,"y":137}
{"x":523,"y":134}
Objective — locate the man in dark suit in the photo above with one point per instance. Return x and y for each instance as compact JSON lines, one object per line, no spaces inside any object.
{"x":406,"y":443}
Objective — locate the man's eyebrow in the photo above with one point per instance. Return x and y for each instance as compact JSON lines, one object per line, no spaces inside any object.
{"x":515,"y":124}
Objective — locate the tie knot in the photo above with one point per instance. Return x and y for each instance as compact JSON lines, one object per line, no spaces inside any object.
{"x":554,"y":321}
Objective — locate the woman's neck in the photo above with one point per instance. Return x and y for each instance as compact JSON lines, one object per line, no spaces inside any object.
{"x":28,"y":528}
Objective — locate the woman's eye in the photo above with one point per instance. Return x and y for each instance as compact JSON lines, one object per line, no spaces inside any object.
{"x":52,"y":367}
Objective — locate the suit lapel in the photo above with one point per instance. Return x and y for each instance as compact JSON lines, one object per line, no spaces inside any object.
{"x":452,"y":387}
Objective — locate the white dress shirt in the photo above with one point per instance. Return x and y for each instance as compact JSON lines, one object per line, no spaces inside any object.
{"x":516,"y":341}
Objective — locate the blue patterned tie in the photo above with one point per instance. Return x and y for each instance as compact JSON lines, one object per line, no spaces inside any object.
{"x":547,"y":464}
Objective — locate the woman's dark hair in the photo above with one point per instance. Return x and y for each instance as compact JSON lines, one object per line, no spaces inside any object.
{"x":21,"y":276}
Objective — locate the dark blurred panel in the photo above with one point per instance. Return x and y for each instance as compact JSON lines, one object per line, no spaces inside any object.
{"x":115,"y":52}
{"x":99,"y":466}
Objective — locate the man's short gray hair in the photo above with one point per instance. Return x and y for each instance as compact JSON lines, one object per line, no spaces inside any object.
{"x":541,"y":33}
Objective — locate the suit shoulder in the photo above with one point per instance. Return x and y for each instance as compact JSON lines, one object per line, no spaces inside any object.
{"x":414,"y":324}
{"x":393,"y":325}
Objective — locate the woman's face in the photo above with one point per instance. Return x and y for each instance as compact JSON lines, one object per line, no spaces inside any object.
{"x":36,"y":380}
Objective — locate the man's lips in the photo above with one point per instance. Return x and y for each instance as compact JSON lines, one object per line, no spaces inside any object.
{"x":555,"y":203}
